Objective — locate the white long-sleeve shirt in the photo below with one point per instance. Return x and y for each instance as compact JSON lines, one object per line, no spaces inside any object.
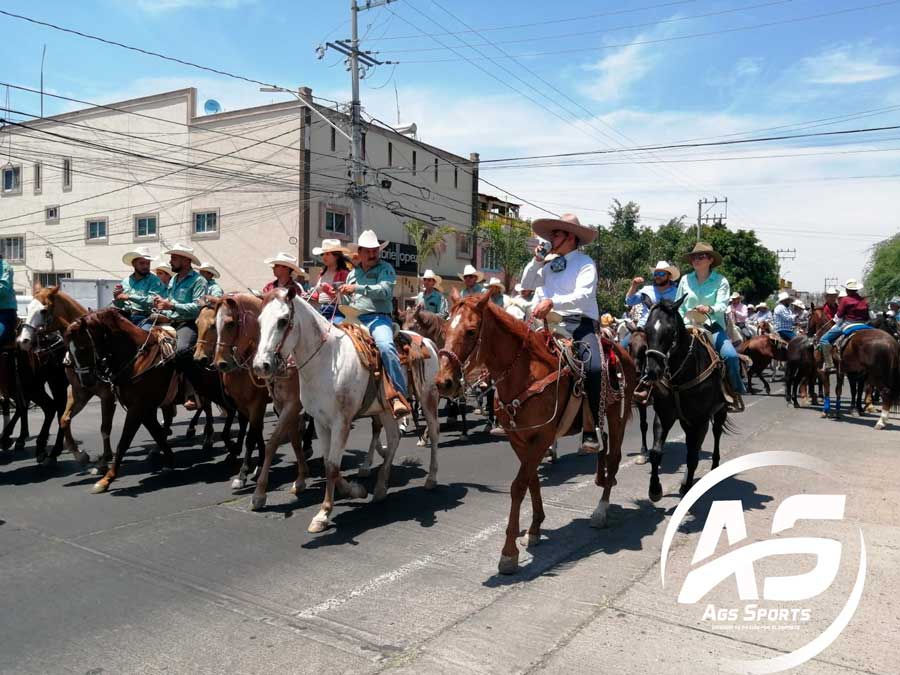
{"x":573,"y":291}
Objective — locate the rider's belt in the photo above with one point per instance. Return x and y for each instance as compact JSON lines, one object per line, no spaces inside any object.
{"x":573,"y":322}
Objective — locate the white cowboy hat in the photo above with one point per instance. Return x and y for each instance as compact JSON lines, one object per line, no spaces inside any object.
{"x":331,"y":246}
{"x":568,"y":223}
{"x":519,"y":289}
{"x":468,"y":270}
{"x":438,"y":280}
{"x":736,"y":296}
{"x":160,"y":264}
{"x":664,"y":265}
{"x":853,"y":285}
{"x":184,"y":252}
{"x":139,"y":252}
{"x":286,"y":259}
{"x":496,"y":282}
{"x":762,"y":305}
{"x":784,"y":295}
{"x":843,"y":293}
{"x":831,"y":290}
{"x":799,"y":303}
{"x":209,"y":267}
{"x":368,"y":239}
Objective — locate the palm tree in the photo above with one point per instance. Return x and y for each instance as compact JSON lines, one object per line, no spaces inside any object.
{"x":508,"y":239}
{"x":428,"y":240}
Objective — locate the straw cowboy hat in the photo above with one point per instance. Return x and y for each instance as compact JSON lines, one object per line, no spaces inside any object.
{"x":568,"y":223}
{"x":438,"y":280}
{"x":368,"y":239}
{"x":798,"y":303}
{"x":853,"y":285}
{"x":664,"y":265}
{"x":351,"y":314}
{"x":287,"y":260}
{"x":184,"y":252}
{"x":701,"y":247}
{"x":160,"y":264}
{"x":762,"y":305}
{"x":784,"y":295}
{"x":139,"y":252}
{"x":469,"y":270}
{"x":331,"y":246}
{"x":736,"y":296}
{"x":831,"y":290}
{"x":209,"y":267}
{"x":496,"y":282}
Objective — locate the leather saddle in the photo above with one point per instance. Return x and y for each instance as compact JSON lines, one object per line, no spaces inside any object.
{"x":844,"y":339}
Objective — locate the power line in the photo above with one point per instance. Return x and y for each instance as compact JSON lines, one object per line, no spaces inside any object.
{"x":722,"y":31}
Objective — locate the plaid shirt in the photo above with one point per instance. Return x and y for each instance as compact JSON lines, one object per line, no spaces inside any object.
{"x":784,"y":318}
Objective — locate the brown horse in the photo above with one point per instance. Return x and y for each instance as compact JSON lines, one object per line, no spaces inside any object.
{"x":534,"y":390}
{"x":803,"y":363}
{"x":637,"y":346}
{"x":236,"y":334}
{"x":871,"y":358}
{"x":106,"y":346}
{"x":762,"y":350}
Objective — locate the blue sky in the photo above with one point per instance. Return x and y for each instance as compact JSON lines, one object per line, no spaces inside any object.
{"x":628,"y":77}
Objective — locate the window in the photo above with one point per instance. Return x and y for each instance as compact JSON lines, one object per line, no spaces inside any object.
{"x":489,"y":260}
{"x":414,"y":163}
{"x":12,"y":180}
{"x":145,"y":227}
{"x":51,"y":215}
{"x":67,"y":174}
{"x":335,"y":222}
{"x":206,"y":223}
{"x":333,"y":139}
{"x":95,"y":230}
{"x":12,"y":248}
{"x":390,"y":154}
{"x":456,"y":177}
{"x":49,"y":279}
{"x":464,"y":245}
{"x":38,"y":178}
{"x":435,"y":170}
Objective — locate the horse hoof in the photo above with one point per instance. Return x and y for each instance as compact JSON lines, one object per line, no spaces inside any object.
{"x":430,"y":484}
{"x":655,"y":495}
{"x":379,"y":494}
{"x":99,"y":487}
{"x":307,"y":452}
{"x":190,"y":433}
{"x":358,"y":491}
{"x":879,"y":425}
{"x":318,"y":524}
{"x":257,"y":502}
{"x":599,"y":518}
{"x":363,"y":472}
{"x":420,"y":443}
{"x":683,"y":489}
{"x":83,"y":458}
{"x":19,"y":446}
{"x":509,"y":564}
{"x":254,"y":474}
{"x":238,"y":484}
{"x":641,"y":459}
{"x":206,"y":447}
{"x":530,"y":540}
{"x":298,"y":486}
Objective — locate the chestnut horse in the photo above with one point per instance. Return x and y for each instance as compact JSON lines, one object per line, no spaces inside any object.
{"x":108,"y":347}
{"x":762,"y":350}
{"x":637,"y":346}
{"x":871,"y":358}
{"x":534,"y":384}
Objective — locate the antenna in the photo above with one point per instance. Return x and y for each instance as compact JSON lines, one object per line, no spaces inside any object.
{"x":212,"y":106}
{"x":397,"y":99}
{"x":43,"y":54}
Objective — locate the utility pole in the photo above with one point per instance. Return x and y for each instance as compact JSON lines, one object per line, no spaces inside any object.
{"x":706,"y":217}
{"x":785,"y":254}
{"x":830,"y":281}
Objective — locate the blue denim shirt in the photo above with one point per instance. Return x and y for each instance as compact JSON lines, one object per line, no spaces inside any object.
{"x":7,"y":291}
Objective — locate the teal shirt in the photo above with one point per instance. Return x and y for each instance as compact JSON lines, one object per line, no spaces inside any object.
{"x":477,"y":289}
{"x":715,"y":292}
{"x":213,"y":289}
{"x":140,"y":293}
{"x":375,"y":288}
{"x":186,"y":295}
{"x":7,"y":291}
{"x":434,"y":302}
{"x":501,"y":300}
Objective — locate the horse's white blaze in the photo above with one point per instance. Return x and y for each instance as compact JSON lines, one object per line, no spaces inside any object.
{"x":657,"y":325}
{"x":455,"y":321}
{"x":34,"y":319}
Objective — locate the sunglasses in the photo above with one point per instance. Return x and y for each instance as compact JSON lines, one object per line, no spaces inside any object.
{"x":660,"y":274}
{"x":700,"y":256}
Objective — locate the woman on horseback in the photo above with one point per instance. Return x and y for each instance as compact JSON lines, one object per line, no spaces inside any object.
{"x":336,"y":268}
{"x":708,"y":292}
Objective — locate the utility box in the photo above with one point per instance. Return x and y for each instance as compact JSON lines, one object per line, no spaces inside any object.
{"x":92,"y":293}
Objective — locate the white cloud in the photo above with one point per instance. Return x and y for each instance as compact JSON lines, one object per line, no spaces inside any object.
{"x":159,"y":6}
{"x":617,"y":72}
{"x":848,"y":64}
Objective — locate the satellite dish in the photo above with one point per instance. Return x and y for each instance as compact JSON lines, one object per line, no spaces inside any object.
{"x":212,"y":106}
{"x":408,"y":129}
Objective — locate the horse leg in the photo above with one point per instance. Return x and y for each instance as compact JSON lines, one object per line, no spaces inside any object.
{"x":838,"y":388}
{"x":309,"y":433}
{"x":287,"y":422}
{"x":694,"y":436}
{"x":253,"y":439}
{"x":886,"y":404}
{"x":4,"y":408}
{"x":59,"y":393}
{"x":533,"y":535}
{"x":168,"y":416}
{"x":159,"y":435}
{"x":6,"y":437}
{"x":191,"y":430}
{"x":431,"y":401}
{"x":209,"y":431}
{"x":462,"y":415}
{"x":392,"y":436}
{"x":661,"y":429}
{"x":642,"y":414}
{"x":45,"y":403}
{"x":129,"y":429}
{"x":750,"y":380}
{"x":719,"y":420}
{"x":226,"y":429}
{"x":606,"y":474}
{"x":509,"y":556}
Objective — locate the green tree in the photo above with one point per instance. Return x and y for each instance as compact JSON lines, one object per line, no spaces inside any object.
{"x":750,"y":267}
{"x":429,"y":240}
{"x":882,"y":276}
{"x":508,"y":241}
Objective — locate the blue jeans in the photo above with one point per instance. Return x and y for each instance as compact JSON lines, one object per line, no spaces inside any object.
{"x":382,"y":330}
{"x":833,"y":334}
{"x":732,"y":363}
{"x":787,"y":335}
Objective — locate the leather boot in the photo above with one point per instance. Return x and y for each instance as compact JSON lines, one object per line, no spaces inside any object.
{"x":827,"y":359}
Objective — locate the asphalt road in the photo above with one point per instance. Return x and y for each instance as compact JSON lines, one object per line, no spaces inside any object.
{"x":173,"y":573}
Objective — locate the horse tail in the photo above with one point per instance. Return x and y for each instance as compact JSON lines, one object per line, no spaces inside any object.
{"x":729,"y":427}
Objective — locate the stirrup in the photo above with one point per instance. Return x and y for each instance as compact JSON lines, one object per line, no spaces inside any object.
{"x":399,"y":408}
{"x":737,"y":404}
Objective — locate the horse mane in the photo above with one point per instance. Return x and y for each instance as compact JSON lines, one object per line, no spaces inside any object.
{"x":74,"y":308}
{"x":535,"y":342}
{"x":110,"y":320}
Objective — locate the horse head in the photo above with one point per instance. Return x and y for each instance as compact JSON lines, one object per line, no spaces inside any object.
{"x":461,"y":341}
{"x":664,"y":329}
{"x":206,"y":332}
{"x":236,"y":330}
{"x":82,"y":348}
{"x":277,"y":337}
{"x":39,"y":317}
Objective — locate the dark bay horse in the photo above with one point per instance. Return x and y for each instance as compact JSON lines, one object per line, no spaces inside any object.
{"x":871,"y":358}
{"x":687,"y":380}
{"x":804,"y":362}
{"x":106,"y":346}
{"x":534,"y":392}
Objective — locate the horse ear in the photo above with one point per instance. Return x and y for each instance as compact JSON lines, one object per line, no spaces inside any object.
{"x":53,"y":290}
{"x":677,"y":304}
{"x":483,"y":300}
{"x":455,"y":297}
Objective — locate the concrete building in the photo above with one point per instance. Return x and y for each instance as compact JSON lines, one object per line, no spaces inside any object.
{"x":79,"y":189}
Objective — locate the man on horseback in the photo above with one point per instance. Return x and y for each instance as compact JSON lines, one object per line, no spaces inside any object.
{"x":8,"y":304}
{"x":210,"y":273}
{"x":136,"y":292}
{"x":737,"y":310}
{"x":182,"y":303}
{"x":284,"y":267}
{"x":763,"y":314}
{"x":370,"y":288}
{"x":707,"y":292}
{"x":852,"y":311}
{"x":662,"y":288}
{"x":472,"y":279}
{"x":784,"y":317}
{"x":498,"y":292}
{"x":565,"y":281}
{"x":522,"y":304}
{"x":431,"y":298}
{"x":831,"y":302}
